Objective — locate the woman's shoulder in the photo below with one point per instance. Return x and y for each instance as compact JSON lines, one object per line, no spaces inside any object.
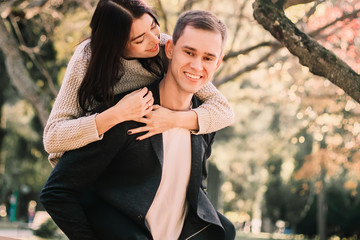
{"x":164,"y":38}
{"x":83,"y":50}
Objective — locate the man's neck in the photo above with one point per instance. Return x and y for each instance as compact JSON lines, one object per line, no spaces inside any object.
{"x":173,"y":98}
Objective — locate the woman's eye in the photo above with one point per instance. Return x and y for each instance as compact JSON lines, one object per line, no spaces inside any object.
{"x":140,"y":42}
{"x":153,"y":25}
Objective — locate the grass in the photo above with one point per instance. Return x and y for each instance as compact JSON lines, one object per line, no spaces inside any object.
{"x":273,"y":236}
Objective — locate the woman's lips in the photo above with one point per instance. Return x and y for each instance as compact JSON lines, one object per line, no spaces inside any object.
{"x":154,"y":49}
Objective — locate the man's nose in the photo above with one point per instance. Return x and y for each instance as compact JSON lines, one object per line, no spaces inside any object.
{"x":196,"y":64}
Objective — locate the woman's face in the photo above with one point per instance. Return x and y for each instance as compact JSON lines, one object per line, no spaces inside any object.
{"x":144,"y":38}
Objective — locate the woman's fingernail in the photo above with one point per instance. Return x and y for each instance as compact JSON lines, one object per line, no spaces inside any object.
{"x":129,"y":132}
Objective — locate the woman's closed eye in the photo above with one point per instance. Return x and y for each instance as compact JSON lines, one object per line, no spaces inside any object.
{"x":153,"y":25}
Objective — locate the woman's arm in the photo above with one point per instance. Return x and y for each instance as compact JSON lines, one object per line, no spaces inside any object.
{"x":66,"y":128}
{"x":214,"y":114}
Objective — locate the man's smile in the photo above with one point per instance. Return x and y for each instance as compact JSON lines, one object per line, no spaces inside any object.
{"x":193,"y":76}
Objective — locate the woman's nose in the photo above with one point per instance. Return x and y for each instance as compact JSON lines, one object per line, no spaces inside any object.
{"x":155,"y":35}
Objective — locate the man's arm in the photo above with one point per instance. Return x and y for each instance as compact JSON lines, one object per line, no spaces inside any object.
{"x":77,"y":171}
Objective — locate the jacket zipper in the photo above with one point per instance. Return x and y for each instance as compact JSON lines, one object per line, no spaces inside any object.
{"x":198,"y":232}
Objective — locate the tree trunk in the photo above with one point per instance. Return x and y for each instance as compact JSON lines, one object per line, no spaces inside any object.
{"x":318,"y":59}
{"x":322,"y":207}
{"x":19,"y":76}
{"x":4,"y":82}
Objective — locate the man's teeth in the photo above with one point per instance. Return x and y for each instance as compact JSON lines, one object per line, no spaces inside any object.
{"x":192,"y":76}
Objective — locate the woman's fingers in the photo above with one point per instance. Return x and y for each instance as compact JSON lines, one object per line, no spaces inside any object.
{"x":143,"y":91}
{"x":137,"y":130}
{"x":146,"y":135}
{"x":148,"y":99}
{"x":155,"y":107}
{"x":140,"y":130}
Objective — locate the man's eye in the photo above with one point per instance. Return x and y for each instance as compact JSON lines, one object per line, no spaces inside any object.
{"x":189,"y":53}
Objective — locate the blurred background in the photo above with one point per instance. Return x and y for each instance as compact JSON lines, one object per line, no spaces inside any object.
{"x":289,"y":167}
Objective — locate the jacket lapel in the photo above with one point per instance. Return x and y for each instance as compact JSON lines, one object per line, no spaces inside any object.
{"x":156,"y":140}
{"x":196,"y":169}
{"x":157,"y":144}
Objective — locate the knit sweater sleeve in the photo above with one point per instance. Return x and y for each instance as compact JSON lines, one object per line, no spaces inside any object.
{"x":215,"y":113}
{"x":67,"y":128}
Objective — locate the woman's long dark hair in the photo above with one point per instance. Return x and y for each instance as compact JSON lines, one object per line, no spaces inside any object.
{"x":110,"y":30}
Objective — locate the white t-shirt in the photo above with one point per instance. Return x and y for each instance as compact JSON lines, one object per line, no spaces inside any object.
{"x":167,"y":212}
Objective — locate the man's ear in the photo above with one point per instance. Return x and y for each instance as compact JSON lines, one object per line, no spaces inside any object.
{"x":219,"y":61}
{"x":169,"y":47}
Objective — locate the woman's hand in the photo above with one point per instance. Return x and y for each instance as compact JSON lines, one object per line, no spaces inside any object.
{"x":133,"y":106}
{"x":157,"y":121}
{"x":161,"y":119}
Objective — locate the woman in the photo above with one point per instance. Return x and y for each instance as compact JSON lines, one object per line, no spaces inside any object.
{"x":123,"y":54}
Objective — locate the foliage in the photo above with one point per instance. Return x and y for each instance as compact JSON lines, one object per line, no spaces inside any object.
{"x":284,"y":114}
{"x":343,"y":219}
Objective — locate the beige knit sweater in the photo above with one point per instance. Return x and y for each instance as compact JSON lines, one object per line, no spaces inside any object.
{"x":68,"y":129}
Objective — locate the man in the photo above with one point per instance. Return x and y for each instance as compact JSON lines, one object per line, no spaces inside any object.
{"x":121,"y":188}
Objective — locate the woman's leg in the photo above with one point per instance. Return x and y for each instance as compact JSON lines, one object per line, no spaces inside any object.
{"x":110,"y":224}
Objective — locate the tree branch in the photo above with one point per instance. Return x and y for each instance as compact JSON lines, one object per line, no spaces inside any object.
{"x":5,"y":8}
{"x":188,"y":5}
{"x":163,"y":15}
{"x":351,"y":15}
{"x":290,"y":3}
{"x":246,"y":69}
{"x":249,"y":49}
{"x":32,"y":56}
{"x":240,"y":15}
{"x":233,"y":54}
{"x":320,"y":61}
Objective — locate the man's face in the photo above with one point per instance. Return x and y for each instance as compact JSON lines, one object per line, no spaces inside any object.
{"x":194,"y":59}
